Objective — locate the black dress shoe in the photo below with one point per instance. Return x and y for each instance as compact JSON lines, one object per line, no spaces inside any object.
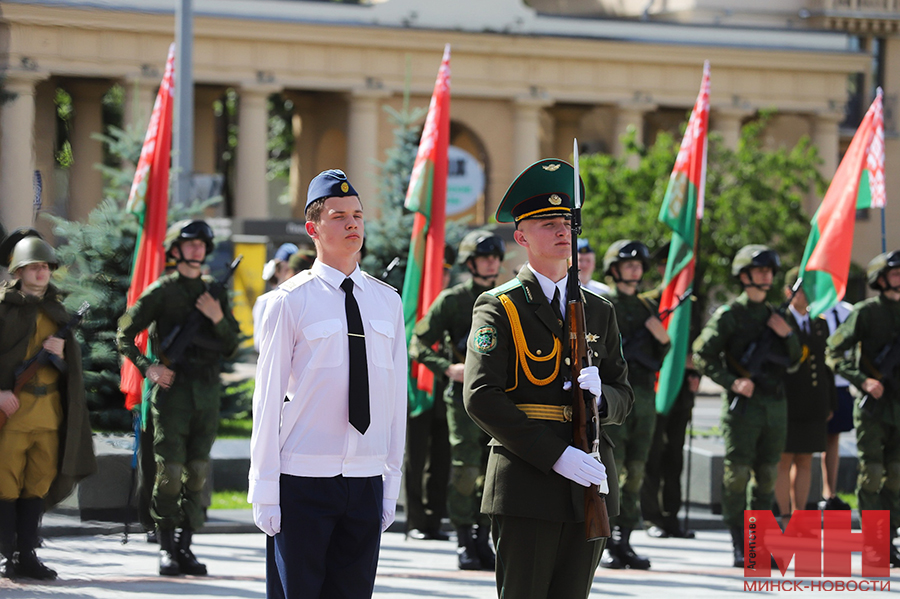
{"x":833,"y":503}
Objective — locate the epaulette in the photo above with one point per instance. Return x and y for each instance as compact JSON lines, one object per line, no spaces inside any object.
{"x":304,"y":276}
{"x":369,"y":277}
{"x":504,"y":288}
{"x":602,"y":298}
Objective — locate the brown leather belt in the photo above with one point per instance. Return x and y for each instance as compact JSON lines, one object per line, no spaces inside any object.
{"x":538,"y":411}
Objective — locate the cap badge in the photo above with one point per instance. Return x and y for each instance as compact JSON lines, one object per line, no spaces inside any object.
{"x":555,"y":200}
{"x":344,"y":187}
{"x":551,"y":167}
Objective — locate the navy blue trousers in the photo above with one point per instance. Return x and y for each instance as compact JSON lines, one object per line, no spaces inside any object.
{"x":329,"y":539}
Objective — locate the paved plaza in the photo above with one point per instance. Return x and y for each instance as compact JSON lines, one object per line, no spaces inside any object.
{"x":99,"y":566}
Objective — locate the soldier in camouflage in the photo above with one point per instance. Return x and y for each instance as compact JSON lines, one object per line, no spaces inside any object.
{"x":871,"y":330}
{"x":754,"y":411}
{"x":185,"y":398}
{"x":644,"y":344}
{"x":449,"y":320}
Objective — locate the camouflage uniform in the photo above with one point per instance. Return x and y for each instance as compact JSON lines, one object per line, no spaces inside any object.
{"x":755,"y":430}
{"x":871,"y":326}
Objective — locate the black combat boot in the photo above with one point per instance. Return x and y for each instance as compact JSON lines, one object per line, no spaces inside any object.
{"x":737,"y":546}
{"x":612,"y":555}
{"x":7,"y":539}
{"x":483,"y":548}
{"x":628,"y":556}
{"x":466,"y":552}
{"x":185,"y":557}
{"x":168,"y":561}
{"x":28,"y":519}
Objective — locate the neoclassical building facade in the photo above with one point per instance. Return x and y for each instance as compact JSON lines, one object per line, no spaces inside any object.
{"x":524,"y":83}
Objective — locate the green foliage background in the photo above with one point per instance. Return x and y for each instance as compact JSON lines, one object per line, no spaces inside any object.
{"x":753,"y":195}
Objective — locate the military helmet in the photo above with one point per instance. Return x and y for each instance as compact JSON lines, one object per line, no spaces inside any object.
{"x":881,"y":264}
{"x":480,"y":243}
{"x":754,"y":255}
{"x":184,"y":230}
{"x":625,"y":249}
{"x":31,"y":250}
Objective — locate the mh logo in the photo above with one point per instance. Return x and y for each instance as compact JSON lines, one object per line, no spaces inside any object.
{"x":821,"y":543}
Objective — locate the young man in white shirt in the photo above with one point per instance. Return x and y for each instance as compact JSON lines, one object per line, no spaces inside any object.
{"x":329,"y":411}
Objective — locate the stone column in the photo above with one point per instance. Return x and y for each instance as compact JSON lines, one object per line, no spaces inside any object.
{"x":630,"y":114}
{"x":727,"y":122}
{"x":85,"y":180}
{"x":205,"y":129}
{"x":826,"y":137}
{"x":527,"y":132}
{"x":17,"y":155}
{"x":251,"y":197}
{"x":567,"y":121}
{"x":362,"y":145}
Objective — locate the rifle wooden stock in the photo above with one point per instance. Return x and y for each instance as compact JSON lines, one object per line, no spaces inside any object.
{"x":596,"y":516}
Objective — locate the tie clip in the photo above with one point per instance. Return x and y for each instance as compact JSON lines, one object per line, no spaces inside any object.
{"x":356,"y":335}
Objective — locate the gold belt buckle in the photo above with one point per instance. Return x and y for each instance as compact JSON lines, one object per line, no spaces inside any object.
{"x":567,"y":413}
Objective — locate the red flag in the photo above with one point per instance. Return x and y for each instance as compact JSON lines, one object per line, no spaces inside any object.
{"x":427,"y":197}
{"x":149,"y":201}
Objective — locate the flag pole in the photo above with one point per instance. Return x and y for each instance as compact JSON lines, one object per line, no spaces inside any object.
{"x":883,"y":239}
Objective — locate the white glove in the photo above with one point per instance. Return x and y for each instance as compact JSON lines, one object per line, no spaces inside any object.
{"x":388,"y":510}
{"x":267,"y":518}
{"x":580,"y":467}
{"x":589,"y":380}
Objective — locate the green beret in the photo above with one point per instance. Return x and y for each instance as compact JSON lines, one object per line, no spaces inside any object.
{"x":543,"y":190}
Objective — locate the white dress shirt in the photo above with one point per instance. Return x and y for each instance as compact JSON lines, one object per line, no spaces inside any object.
{"x":597,"y":287}
{"x":259,"y":307}
{"x":304,"y":356}
{"x":802,"y":320}
{"x":549,"y":288}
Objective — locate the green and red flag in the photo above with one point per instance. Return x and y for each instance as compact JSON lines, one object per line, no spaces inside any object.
{"x":681,"y":211}
{"x":858,"y":183}
{"x":427,"y":197}
{"x":149,"y":202}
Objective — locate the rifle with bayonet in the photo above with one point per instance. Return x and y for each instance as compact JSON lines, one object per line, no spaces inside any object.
{"x":632,"y":346}
{"x":188,"y":334}
{"x":759,"y":352}
{"x":585,"y":415}
{"x":28,"y":369}
{"x":885,"y":369}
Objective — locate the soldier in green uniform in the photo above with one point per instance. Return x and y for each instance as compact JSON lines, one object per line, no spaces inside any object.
{"x":449,"y":320}
{"x":644,"y":343}
{"x":45,"y":435}
{"x":754,"y":410}
{"x":516,"y":389}
{"x":872,"y":328}
{"x":185,"y":398}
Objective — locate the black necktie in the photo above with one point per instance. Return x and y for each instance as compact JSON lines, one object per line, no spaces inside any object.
{"x":359,"y":369}
{"x":555,"y":305}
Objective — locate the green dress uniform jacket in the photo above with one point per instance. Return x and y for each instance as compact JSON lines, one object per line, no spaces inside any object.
{"x":18,"y":318}
{"x":810,"y":390}
{"x":520,"y":480}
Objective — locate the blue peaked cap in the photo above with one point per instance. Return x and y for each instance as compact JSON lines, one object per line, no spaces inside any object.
{"x":332,"y":183}
{"x":285,"y":251}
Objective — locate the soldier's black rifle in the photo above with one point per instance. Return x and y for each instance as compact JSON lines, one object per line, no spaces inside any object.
{"x":632,"y":346}
{"x":187,"y":334}
{"x":585,"y":415}
{"x":885,"y":369}
{"x":26,"y":371}
{"x":759,"y":351}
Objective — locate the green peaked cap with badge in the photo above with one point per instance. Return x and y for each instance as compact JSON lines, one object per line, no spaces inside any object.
{"x":543,"y":190}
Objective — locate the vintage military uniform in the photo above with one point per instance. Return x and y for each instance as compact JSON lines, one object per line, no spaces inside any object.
{"x":756,"y":428}
{"x":46,"y":445}
{"x":872,"y":326}
{"x":810,"y":390}
{"x":516,"y":367}
{"x":186,"y":415}
{"x":448,"y":321}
